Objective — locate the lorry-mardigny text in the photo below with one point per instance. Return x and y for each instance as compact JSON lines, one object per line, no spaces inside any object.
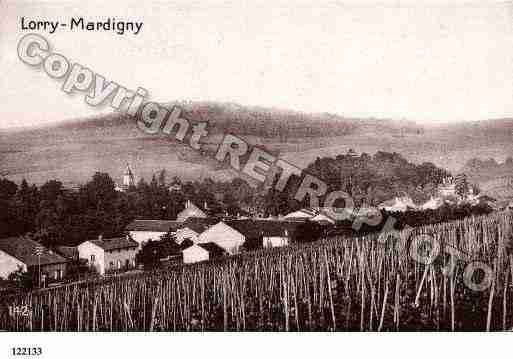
{"x":81,"y":24}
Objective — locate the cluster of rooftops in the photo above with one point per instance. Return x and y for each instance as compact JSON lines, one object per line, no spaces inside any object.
{"x":31,"y":253}
{"x":192,"y":221}
{"x":250,"y":228}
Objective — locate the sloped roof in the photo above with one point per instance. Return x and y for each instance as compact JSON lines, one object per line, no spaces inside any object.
{"x":302,"y":213}
{"x":324,"y":216}
{"x":487,"y":198}
{"x":191,"y":211}
{"x":148,"y":225}
{"x":115,"y":243}
{"x":198,"y":224}
{"x":433,"y":203}
{"x":69,"y":252}
{"x":212,"y":248}
{"x":399,"y":204}
{"x":252,"y":228}
{"x":25,"y":250}
{"x":318,"y":214}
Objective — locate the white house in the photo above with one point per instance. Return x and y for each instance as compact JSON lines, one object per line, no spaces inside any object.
{"x":10,"y":264}
{"x":29,"y":256}
{"x":265,"y":233}
{"x":275,"y":241}
{"x":143,"y":231}
{"x":202,"y":252}
{"x":432,"y":203}
{"x":323,"y":218}
{"x":398,"y":204}
{"x":302,"y":214}
{"x":447,"y":187}
{"x":192,"y":227}
{"x":111,"y":254}
{"x":224,"y":236}
{"x":320,"y":215}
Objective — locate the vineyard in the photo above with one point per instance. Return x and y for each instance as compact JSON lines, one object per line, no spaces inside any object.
{"x":336,"y":284}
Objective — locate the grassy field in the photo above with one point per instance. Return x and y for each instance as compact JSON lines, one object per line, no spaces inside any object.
{"x":335,"y":284}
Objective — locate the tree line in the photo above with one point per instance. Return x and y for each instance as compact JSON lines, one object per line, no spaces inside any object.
{"x":55,"y":215}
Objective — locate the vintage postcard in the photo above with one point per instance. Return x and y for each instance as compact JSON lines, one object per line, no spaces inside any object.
{"x":221,"y":166}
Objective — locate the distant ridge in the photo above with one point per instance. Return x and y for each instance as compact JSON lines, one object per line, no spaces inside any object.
{"x":72,"y":151}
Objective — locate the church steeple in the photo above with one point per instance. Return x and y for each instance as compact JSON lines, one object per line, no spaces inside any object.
{"x":128,"y":177}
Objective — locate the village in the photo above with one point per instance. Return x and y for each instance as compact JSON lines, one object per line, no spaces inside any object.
{"x":194,"y":236}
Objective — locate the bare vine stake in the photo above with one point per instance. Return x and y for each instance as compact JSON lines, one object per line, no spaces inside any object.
{"x":431,"y":288}
{"x":372,"y":306}
{"x":95,"y":303}
{"x":225,"y":313}
{"x":154,"y":309}
{"x":173,"y":302}
{"x":417,"y":297}
{"x":511,"y":266}
{"x":111,"y":291}
{"x":203,"y":318}
{"x":452,"y":290}
{"x":296,"y":308}
{"x":444,"y":312}
{"x":396,"y":303}
{"x":362,"y":307}
{"x":383,"y":307}
{"x":285,"y":296}
{"x":490,"y":302}
{"x":330,"y":292}
{"x":505,"y":300}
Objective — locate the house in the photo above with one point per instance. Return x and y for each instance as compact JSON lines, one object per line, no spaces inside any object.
{"x":202,"y":252}
{"x":447,"y":187}
{"x":192,"y":227}
{"x":489,"y":201}
{"x":236,"y":235}
{"x":224,"y":236}
{"x":143,"y":231}
{"x":323,"y":218}
{"x":265,"y":233}
{"x":303,"y":214}
{"x":191,"y":210}
{"x":321,"y":215}
{"x":29,"y":256}
{"x":433,"y":203}
{"x":111,"y":254}
{"x":154,"y":252}
{"x":398,"y":204}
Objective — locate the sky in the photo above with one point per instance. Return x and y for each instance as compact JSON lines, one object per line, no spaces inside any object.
{"x":429,"y":62}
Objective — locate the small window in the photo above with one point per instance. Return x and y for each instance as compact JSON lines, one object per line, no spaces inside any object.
{"x":119,"y":264}
{"x":56,"y":275}
{"x":111,"y":264}
{"x":93,"y":258}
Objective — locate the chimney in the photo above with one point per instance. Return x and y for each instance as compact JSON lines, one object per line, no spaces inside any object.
{"x":100,"y":236}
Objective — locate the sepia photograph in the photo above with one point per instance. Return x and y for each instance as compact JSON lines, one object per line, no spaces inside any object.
{"x":291,"y":166}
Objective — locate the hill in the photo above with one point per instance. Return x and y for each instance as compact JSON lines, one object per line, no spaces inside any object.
{"x":71,"y":151}
{"x":495,"y":178}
